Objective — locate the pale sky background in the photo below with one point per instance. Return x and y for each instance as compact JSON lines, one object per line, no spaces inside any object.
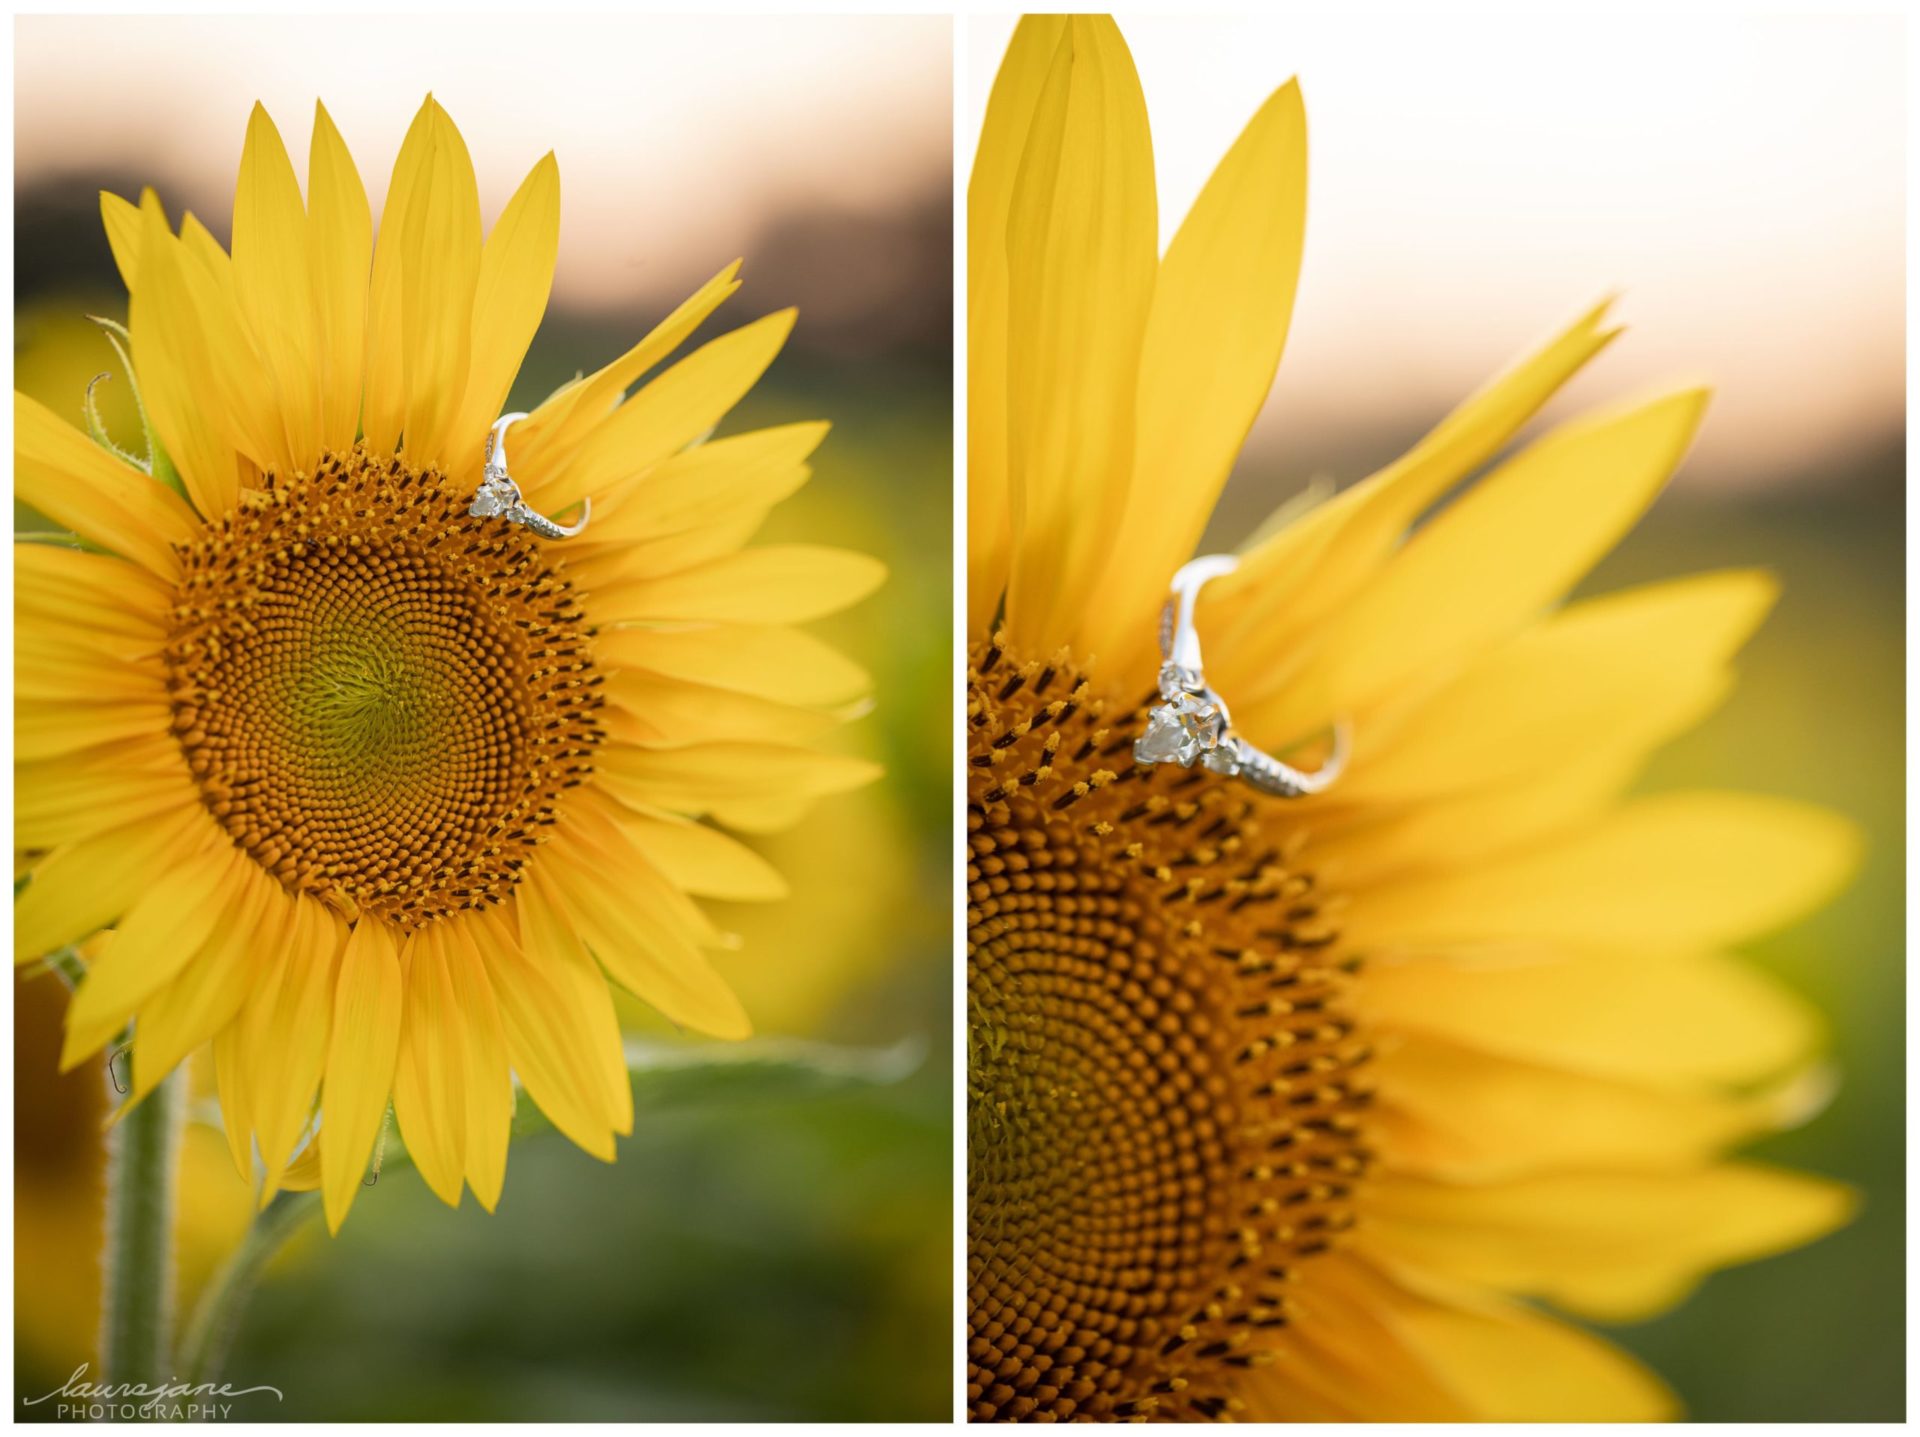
{"x":675,"y":135}
{"x":1476,"y":181}
{"x":1738,"y":182}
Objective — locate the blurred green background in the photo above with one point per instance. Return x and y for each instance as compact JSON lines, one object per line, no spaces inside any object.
{"x":773,"y":1248}
{"x":1818,"y":715}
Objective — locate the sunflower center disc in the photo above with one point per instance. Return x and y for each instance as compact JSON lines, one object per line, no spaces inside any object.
{"x":381,"y":697}
{"x":1163,"y":1087}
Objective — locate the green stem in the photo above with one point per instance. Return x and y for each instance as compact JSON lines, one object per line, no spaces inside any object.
{"x":216,"y":1319}
{"x":138,"y":1299}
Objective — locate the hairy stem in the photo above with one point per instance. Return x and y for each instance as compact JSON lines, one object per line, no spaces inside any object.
{"x":137,"y":1309}
{"x":216,"y":1318}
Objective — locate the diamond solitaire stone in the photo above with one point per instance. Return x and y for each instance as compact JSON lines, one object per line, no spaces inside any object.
{"x":490,"y":499}
{"x":1182,"y":730}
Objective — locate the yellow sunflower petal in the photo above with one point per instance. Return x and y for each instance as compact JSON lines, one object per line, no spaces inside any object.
{"x":384,"y":414}
{"x":197,"y":241}
{"x":208,"y":991}
{"x":440,"y":271}
{"x":236,"y":1102}
{"x":771,"y":662}
{"x":1347,"y":1361}
{"x":302,"y":1174}
{"x":694,"y":779}
{"x":59,"y":731}
{"x":1082,"y":240}
{"x":79,"y":889}
{"x":644,"y":708}
{"x":98,"y":600}
{"x":273,"y":278}
{"x":1617,"y":1247}
{"x":636,"y":927}
{"x":1694,"y":1018}
{"x":714,"y":481}
{"x":606,"y":568}
{"x":1222,"y":304}
{"x":546,"y":441}
{"x":157,"y":935}
{"x":80,"y":486}
{"x":544,"y":932}
{"x":487,"y":1093}
{"x":288,"y":1029}
{"x":666,"y":414}
{"x":1471,"y":828}
{"x":340,"y":243}
{"x":541,"y":1020}
{"x":704,"y":861}
{"x":516,"y":276}
{"x":1288,"y":583}
{"x":1491,"y":560}
{"x":1630,"y":670}
{"x":1450,"y":1111}
{"x":211,"y":341}
{"x":1003,"y":143}
{"x":428,"y":1078}
{"x":188,"y":378}
{"x":770,"y":584}
{"x":361,"y":1051}
{"x":74,"y":797}
{"x":1672,"y":871}
{"x":121,"y":221}
{"x":759,"y":815}
{"x":1508,"y":1364}
{"x":46,"y":671}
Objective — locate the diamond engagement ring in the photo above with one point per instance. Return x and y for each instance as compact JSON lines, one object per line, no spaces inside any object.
{"x":1190,"y":724}
{"x":498,"y":496}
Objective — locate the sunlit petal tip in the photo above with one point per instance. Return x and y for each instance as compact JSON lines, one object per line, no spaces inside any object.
{"x":262,"y":133}
{"x":1104,"y":27}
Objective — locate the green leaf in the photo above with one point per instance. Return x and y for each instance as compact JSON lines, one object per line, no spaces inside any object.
{"x":780,"y":1067}
{"x":670,"y":1076}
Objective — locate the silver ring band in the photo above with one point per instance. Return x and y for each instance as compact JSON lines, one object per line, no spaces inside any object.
{"x":499,"y":497}
{"x":1191,"y":725}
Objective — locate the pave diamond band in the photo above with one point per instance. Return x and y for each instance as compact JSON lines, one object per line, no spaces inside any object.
{"x":499,"y":497}
{"x":1191,"y":725}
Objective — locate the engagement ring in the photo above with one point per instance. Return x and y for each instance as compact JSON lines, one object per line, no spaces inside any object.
{"x":498,"y":496}
{"x":1190,"y":725}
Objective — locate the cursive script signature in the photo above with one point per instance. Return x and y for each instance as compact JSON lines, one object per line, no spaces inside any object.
{"x":144,"y":1395}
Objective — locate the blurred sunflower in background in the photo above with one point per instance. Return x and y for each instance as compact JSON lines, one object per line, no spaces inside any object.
{"x":1303,"y":1109}
{"x":375,"y":796}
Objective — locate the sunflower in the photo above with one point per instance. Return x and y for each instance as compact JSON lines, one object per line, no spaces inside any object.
{"x":376,"y":795}
{"x":1313,"y":1109}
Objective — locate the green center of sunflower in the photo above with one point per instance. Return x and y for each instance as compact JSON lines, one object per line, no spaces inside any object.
{"x":381,"y":697}
{"x":1163,"y":1088}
